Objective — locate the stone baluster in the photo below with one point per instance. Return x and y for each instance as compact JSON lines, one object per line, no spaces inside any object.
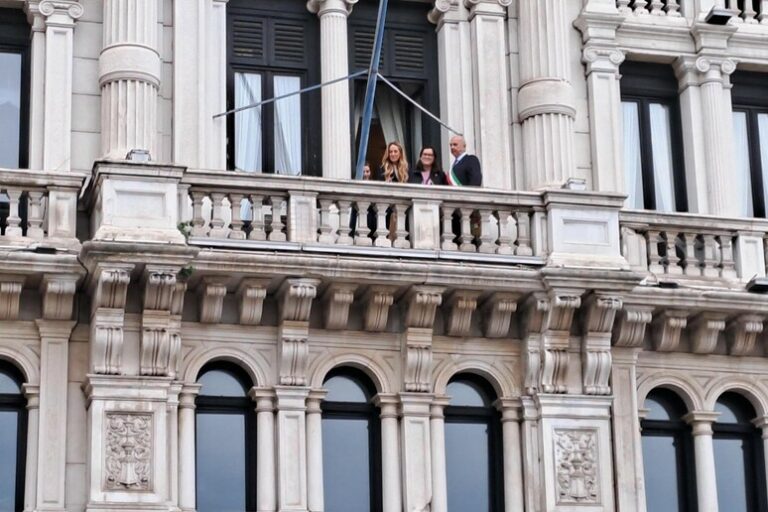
{"x":327,"y":236}
{"x":13,"y":222}
{"x":657,"y":8}
{"x":674,"y":262}
{"x":711,"y":256}
{"x":706,"y":484}
{"x":187,"y":446}
{"x":344,"y":219}
{"x":447,"y":237}
{"x":655,"y":259}
{"x":130,"y":77}
{"x":35,"y":216}
{"x":237,"y":232}
{"x":490,"y":72}
{"x":546,"y":96}
{"x":488,"y":232}
{"x":640,"y":7}
{"x":257,"y":218}
{"x":763,"y":16}
{"x":673,"y":8}
{"x":392,"y":499}
{"x":219,"y":229}
{"x":277,"y":226}
{"x":337,"y":157}
{"x":361,"y":230}
{"x":466,"y":238}
{"x":523,"y":234}
{"x":382,"y":230}
{"x":400,"y":210}
{"x":507,"y":232}
{"x":623,"y":6}
{"x":200,"y":226}
{"x":727,"y":261}
{"x":692,"y":267}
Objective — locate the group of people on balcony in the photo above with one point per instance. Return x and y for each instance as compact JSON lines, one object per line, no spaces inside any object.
{"x":465,"y":170}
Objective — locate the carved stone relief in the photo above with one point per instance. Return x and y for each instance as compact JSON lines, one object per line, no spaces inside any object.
{"x":576,"y":466}
{"x":128,"y":452}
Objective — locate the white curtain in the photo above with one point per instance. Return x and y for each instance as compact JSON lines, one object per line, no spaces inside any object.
{"x":248,"y":123}
{"x":633,"y":174}
{"x":391,"y":114}
{"x":742,"y":182}
{"x":663,"y":164}
{"x":762,"y":136}
{"x":288,"y":126}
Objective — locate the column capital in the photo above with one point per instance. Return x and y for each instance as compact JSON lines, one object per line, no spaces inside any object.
{"x":323,"y":7}
{"x":705,"y":68}
{"x":59,"y":13}
{"x":188,"y":395}
{"x":511,"y":409}
{"x":448,"y":11}
{"x":388,"y":403}
{"x":701,"y":421}
{"x":761,"y":422}
{"x":314,"y":399}
{"x":264,"y":398}
{"x":437,"y":408}
{"x":487,"y":7}
{"x":58,"y":329}
{"x":602,"y":58}
{"x":32,"y":394}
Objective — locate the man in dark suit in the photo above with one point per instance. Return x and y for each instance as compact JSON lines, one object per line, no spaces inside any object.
{"x":465,"y":170}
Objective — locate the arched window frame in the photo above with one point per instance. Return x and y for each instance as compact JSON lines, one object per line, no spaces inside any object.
{"x":357,"y":410}
{"x":681,"y":432}
{"x":16,"y":402}
{"x":233,"y":405}
{"x":491,"y":417}
{"x":754,"y":456}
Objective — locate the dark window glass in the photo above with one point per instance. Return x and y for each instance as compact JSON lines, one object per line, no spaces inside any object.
{"x":13,"y":435}
{"x":750,"y":141}
{"x":351,"y":444}
{"x":738,"y":448}
{"x":409,"y":60}
{"x":225,"y":441}
{"x":14,"y":85}
{"x":670,"y":482}
{"x":273,"y":50}
{"x":653,"y":156}
{"x":473,"y":452}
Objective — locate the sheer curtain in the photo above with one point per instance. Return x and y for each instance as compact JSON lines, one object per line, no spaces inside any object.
{"x":288,"y":126}
{"x":663,"y":165}
{"x":632,"y":165}
{"x":742,"y":182}
{"x":762,"y":136}
{"x":248,"y":123}
{"x":391,"y":114}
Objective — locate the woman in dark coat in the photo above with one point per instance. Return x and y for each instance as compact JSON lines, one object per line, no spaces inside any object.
{"x":427,"y":171}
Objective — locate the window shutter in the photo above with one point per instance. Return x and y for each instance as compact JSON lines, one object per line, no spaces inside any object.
{"x":248,"y":40}
{"x":363,"y":47}
{"x":408,"y":52}
{"x":289,"y":43}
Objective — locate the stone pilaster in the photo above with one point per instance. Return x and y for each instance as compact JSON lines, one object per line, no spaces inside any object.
{"x":291,"y":438}
{"x":129,"y":75}
{"x":415,"y":446}
{"x":490,"y":74}
{"x":546,"y":102}
{"x":334,"y":63}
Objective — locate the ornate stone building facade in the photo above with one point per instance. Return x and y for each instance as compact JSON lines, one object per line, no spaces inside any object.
{"x":203,"y":312}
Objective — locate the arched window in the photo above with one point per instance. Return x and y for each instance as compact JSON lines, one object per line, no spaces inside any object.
{"x":13,"y":435}
{"x":473,"y":451}
{"x":670,"y":481}
{"x":739,"y":463}
{"x":351,"y":443}
{"x":225,"y":441}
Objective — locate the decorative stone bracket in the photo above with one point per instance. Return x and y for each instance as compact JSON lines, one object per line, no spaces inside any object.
{"x":58,"y":291}
{"x":251,"y":294}
{"x":10,"y":296}
{"x":596,"y":343}
{"x":295,"y":298}
{"x":497,"y":312}
{"x":422,"y":303}
{"x":211,"y":293}
{"x":378,"y":300}
{"x":705,"y":330}
{"x":461,"y":304}
{"x":109,"y":287}
{"x":668,"y":326}
{"x":742,"y":334}
{"x":337,"y":300}
{"x":629,"y":330}
{"x":160,"y":323}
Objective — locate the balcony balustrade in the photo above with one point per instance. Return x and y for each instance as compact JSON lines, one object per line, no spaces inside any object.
{"x":345,"y":216}
{"x":677,"y":245}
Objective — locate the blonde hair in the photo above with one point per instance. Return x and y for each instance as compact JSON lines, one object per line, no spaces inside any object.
{"x":397,"y":172}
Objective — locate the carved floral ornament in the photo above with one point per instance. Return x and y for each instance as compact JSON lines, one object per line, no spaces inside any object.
{"x":576,"y":466}
{"x":128,"y":452}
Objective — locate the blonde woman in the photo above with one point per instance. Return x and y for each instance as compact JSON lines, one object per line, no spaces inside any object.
{"x":394,"y":165}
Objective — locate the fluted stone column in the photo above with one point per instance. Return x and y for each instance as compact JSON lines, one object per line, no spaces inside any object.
{"x":439,"y":476}
{"x":334,"y":63}
{"x":545,"y":100}
{"x":315,"y":451}
{"x":454,"y":54}
{"x":490,"y":78}
{"x":187,"y":446}
{"x":32,"y":394}
{"x":706,"y":481}
{"x":265,"y":449}
{"x":513,"y":462}
{"x":392,"y":500}
{"x":129,"y":75}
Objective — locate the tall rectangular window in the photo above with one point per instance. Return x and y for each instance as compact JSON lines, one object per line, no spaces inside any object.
{"x":14,"y":51}
{"x":273,"y":51}
{"x":750,"y":142}
{"x":653,"y":152}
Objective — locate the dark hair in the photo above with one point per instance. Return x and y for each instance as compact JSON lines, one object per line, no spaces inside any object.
{"x":436,"y":167}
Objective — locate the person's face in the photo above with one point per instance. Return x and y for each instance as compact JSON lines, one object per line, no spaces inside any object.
{"x":366,"y":173}
{"x":427,"y":158}
{"x":457,"y":146}
{"x":394,"y":153}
